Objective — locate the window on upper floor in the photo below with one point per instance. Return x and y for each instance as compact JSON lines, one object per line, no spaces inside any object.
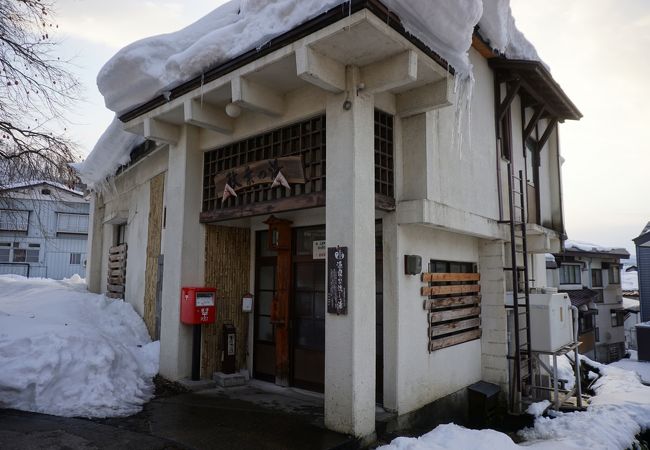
{"x":596,"y":277}
{"x":72,"y":223}
{"x":614,"y":274}
{"x":570,"y":274}
{"x":618,"y":317}
{"x":14,"y":220}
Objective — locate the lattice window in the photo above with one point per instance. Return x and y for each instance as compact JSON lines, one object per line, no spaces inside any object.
{"x":384,"y":155}
{"x":306,"y":138}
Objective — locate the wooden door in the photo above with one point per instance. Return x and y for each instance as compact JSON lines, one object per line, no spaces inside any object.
{"x":264,"y":336}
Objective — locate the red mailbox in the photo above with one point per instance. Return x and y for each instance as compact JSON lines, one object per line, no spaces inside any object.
{"x":198,"y":305}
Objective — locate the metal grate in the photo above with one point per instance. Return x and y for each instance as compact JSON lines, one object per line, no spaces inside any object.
{"x":384,"y":158}
{"x":306,"y":138}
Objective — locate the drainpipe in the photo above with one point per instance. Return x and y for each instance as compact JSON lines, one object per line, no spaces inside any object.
{"x":577,"y":357}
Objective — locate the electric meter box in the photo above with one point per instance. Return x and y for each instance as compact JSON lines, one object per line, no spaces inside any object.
{"x":551,"y":321}
{"x":198,"y":305}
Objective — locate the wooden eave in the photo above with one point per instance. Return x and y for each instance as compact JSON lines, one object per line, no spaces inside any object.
{"x":538,"y":86}
{"x":332,"y":16}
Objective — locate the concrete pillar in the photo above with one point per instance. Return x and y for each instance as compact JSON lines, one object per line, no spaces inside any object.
{"x":94,"y":246}
{"x":183,"y":249}
{"x":494,"y":339}
{"x":419,"y":132}
{"x":350,"y":221}
{"x":392,"y":265}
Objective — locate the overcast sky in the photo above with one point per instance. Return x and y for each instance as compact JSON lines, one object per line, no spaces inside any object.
{"x":596,"y":49}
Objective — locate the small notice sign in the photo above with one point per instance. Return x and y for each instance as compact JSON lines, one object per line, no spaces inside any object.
{"x":319,"y":249}
{"x":337,"y":280}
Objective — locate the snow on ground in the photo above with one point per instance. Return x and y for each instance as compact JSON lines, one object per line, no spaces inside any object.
{"x":68,"y":352}
{"x":155,"y":65}
{"x":642,"y":368}
{"x":618,"y":412}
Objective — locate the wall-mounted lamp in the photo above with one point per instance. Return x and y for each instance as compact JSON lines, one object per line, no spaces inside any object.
{"x":233,"y":110}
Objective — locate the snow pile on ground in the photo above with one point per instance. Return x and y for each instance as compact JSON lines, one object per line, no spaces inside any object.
{"x":157,"y":64}
{"x":641,"y":368}
{"x":67,"y":352}
{"x":619,"y":411}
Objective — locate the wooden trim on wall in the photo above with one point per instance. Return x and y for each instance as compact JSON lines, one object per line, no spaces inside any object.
{"x":154,"y":235}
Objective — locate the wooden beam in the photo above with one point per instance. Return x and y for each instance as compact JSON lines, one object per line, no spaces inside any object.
{"x":205,"y":115}
{"x":429,"y":277}
{"x":319,"y":70}
{"x":453,"y":314}
{"x":163,"y":132}
{"x":547,"y":134}
{"x":424,"y":98}
{"x":437,"y":303}
{"x":455,"y":339}
{"x":533,"y":121}
{"x":448,"y":290}
{"x":304,"y":201}
{"x":390,"y":73}
{"x":439,"y":330}
{"x":512,"y":91}
{"x":255,"y":97}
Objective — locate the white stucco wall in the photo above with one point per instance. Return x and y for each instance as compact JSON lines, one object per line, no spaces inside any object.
{"x":413,"y":376}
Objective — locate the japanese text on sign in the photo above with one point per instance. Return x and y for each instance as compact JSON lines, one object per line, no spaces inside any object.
{"x":337,"y":280}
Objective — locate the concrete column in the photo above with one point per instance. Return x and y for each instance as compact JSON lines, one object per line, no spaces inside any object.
{"x":184,"y":250}
{"x":392,"y":266}
{"x":350,"y":222}
{"x":494,"y":339}
{"x":94,"y":249}
{"x":419,"y":132}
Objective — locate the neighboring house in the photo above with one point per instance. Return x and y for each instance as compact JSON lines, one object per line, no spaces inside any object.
{"x":43,"y":230}
{"x":591,"y":275}
{"x":356,"y":117}
{"x":642,"y":243}
{"x":632,"y":318}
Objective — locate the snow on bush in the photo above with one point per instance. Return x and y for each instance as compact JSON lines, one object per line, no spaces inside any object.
{"x":618,"y":412}
{"x":68,"y":352}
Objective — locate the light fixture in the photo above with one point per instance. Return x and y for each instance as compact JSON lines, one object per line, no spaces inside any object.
{"x":233,"y":110}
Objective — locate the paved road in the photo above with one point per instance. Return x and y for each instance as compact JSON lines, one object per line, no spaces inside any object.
{"x":206,"y":420}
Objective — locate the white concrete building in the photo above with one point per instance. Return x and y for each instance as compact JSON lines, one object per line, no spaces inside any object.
{"x":43,"y":230}
{"x":591,"y":275}
{"x":369,"y":112}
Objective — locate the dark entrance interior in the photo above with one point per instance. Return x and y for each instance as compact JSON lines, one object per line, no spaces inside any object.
{"x":307,"y":300}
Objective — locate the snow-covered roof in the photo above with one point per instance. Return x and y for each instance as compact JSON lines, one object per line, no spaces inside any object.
{"x":153,"y":66}
{"x":26,"y":184}
{"x":586,"y":247}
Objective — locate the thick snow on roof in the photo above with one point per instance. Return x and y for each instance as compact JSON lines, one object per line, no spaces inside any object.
{"x":25,"y":184}
{"x":154,"y":65}
{"x":579,"y":246}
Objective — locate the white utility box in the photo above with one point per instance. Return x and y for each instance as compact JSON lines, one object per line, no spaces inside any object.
{"x":551,"y":321}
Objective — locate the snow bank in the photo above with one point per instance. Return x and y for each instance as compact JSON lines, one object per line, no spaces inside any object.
{"x":154,"y":65}
{"x":67,"y":352}
{"x":641,"y":368}
{"x":619,"y":411}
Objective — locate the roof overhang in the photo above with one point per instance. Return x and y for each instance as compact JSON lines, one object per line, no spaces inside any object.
{"x":362,"y":33}
{"x":538,"y":86}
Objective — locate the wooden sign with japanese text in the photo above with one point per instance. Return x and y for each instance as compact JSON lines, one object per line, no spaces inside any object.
{"x":265,"y":171}
{"x":337,"y":280}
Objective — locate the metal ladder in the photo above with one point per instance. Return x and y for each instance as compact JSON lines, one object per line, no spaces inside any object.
{"x":520,"y":355}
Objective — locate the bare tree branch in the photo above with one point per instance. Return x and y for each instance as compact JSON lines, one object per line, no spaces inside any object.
{"x":35,"y":91}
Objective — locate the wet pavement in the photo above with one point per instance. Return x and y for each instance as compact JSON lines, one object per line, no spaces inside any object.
{"x":257,"y":416}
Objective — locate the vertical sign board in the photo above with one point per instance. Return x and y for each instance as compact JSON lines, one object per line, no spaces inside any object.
{"x":337,"y":280}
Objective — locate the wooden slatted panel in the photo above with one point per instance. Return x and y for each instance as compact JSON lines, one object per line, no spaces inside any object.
{"x":430,"y":277}
{"x":454,"y":314}
{"x":227,"y":267}
{"x":454,"y":339}
{"x":450,"y":290}
{"x":454,"y":310}
{"x":116,"y":276}
{"x":447,"y":302}
{"x":154,"y":234}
